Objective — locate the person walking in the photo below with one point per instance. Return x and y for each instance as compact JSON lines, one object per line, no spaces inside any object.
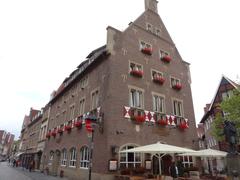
{"x":173,"y":170}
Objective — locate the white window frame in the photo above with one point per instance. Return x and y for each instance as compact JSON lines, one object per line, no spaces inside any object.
{"x":135,"y":162}
{"x":51,"y":157}
{"x":153,"y":72}
{"x":136,"y":97}
{"x":158,"y":32}
{"x":81,"y":106}
{"x":135,"y":66}
{"x":157,"y":106}
{"x":187,"y":162}
{"x":95,"y":99}
{"x":64,"y":157}
{"x":149,"y":27}
{"x":163,"y":53}
{"x":174,"y":81}
{"x":84,"y":157}
{"x":178,"y":111}
{"x":73,"y":157}
{"x":143,"y":44}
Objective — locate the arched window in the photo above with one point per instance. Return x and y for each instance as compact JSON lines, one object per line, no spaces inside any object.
{"x":84,"y":157}
{"x":129,"y":160}
{"x":73,"y":157}
{"x":51,"y":156}
{"x":64,"y":157}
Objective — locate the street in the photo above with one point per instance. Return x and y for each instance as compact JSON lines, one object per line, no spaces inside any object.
{"x":9,"y":173}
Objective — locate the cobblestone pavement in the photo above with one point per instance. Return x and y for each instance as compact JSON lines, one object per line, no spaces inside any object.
{"x":9,"y":173}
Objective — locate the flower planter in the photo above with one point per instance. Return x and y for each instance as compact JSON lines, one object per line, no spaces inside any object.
{"x":68,"y":128}
{"x":147,"y":51}
{"x":177,"y":86}
{"x":54,"y":133}
{"x":138,"y":119}
{"x":48,"y":135}
{"x":158,"y":80}
{"x":136,"y":73}
{"x":78,"y":124}
{"x":162,"y":122}
{"x":166,"y":59}
{"x":60,"y":131}
{"x":183,"y":126}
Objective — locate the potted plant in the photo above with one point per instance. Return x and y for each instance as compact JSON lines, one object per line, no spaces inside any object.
{"x":177,"y":86}
{"x":60,"y":130}
{"x":138,"y":119}
{"x":166,"y":59}
{"x":158,"y":79}
{"x":136,"y":73}
{"x":147,"y":51}
{"x":162,"y":122}
{"x":54,"y":133}
{"x":68,"y":128}
{"x":78,"y":124}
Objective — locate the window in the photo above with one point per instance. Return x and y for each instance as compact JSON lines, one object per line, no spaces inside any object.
{"x":163,"y":53}
{"x":129,"y":160}
{"x":95,"y":99}
{"x":72,"y":108}
{"x":158,"y":103}
{"x":135,"y":67}
{"x":51,"y":156}
{"x":73,"y":157}
{"x":177,"y":108}
{"x":84,"y":157}
{"x":158,"y":32}
{"x":187,"y":161}
{"x":145,"y":45}
{"x":81,"y":106}
{"x":83,"y":82}
{"x":156,"y":74}
{"x":64,"y":157}
{"x":149,"y":27}
{"x":136,"y":98}
{"x":175,"y":82}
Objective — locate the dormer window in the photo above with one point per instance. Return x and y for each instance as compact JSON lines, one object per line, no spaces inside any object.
{"x":149,"y":27}
{"x":146,"y":48}
{"x":136,"y":69}
{"x":165,"y":56}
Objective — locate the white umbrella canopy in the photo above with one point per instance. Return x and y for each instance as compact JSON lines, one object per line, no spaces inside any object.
{"x":159,"y":148}
{"x":206,"y":153}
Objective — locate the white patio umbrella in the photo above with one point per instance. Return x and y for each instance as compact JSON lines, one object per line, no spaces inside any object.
{"x":206,"y":153}
{"x":159,"y":149}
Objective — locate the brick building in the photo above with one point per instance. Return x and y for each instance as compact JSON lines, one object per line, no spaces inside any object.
{"x":224,"y":90}
{"x":6,"y":141}
{"x":138,"y":88}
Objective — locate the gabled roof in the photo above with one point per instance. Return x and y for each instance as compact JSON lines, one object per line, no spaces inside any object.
{"x":223,"y":80}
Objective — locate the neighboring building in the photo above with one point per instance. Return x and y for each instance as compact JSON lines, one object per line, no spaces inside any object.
{"x":224,"y":90}
{"x":29,"y":139}
{"x":134,"y":85}
{"x":6,"y":141}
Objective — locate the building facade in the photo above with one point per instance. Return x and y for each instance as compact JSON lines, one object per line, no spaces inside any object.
{"x":6,"y":142}
{"x":224,"y":91}
{"x":137,"y":87}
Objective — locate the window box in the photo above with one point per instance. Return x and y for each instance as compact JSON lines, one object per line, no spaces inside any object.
{"x":183,"y":126}
{"x":136,"y":73}
{"x":54,"y":133}
{"x":162,"y":122}
{"x":48,"y":135}
{"x":78,"y":124}
{"x":138,"y":119}
{"x":166,"y":59}
{"x":177,"y":86}
{"x":68,"y":128}
{"x":147,"y":51}
{"x":158,"y":79}
{"x":60,"y":131}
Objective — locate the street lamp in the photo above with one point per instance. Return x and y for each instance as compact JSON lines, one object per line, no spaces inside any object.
{"x":89,"y":120}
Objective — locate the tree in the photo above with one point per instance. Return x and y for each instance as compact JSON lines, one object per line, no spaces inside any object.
{"x":231,"y":109}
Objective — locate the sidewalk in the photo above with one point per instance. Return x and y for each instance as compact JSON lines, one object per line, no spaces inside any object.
{"x":35,"y":175}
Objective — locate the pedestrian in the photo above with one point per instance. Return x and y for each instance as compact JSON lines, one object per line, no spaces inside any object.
{"x":31,"y":165}
{"x":173,"y":170}
{"x":180,"y":168}
{"x":14,"y":162}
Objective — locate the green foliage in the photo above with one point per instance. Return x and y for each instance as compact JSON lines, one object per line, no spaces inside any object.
{"x":231,"y":109}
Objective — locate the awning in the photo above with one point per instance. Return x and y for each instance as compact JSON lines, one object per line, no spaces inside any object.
{"x":206,"y":153}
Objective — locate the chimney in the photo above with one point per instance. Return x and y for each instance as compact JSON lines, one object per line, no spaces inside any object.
{"x":152,"y":5}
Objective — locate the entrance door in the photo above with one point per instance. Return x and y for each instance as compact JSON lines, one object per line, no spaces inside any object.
{"x":56,"y":162}
{"x":165,"y":164}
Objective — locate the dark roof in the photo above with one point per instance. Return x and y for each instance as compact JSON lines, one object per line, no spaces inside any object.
{"x":96,"y":50}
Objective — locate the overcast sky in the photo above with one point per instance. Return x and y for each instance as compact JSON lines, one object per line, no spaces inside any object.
{"x":42,"y":42}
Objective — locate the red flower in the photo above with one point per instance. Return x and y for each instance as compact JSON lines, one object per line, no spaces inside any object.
{"x":183,"y":126}
{"x":166,"y":59}
{"x":54,"y":133}
{"x":60,"y":131}
{"x":138,"y":119}
{"x":68,"y":128}
{"x":162,"y":122}
{"x":48,"y":135}
{"x":137,"y":73}
{"x":159,"y":80}
{"x":78,"y":124}
{"x":147,"y":51}
{"x":177,"y":86}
